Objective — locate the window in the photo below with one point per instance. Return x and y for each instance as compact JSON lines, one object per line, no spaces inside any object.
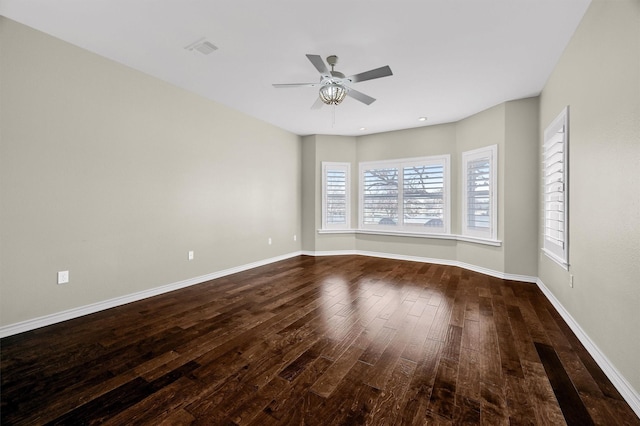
{"x":479,"y":192}
{"x":336,"y":212}
{"x":406,"y":195}
{"x":555,"y":183}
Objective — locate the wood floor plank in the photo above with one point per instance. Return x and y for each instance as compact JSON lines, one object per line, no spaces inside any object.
{"x":522,"y":339}
{"x":331,"y":378}
{"x":315,"y":341}
{"x":416,"y":342}
{"x":490,"y":363}
{"x":378,"y":345}
{"x":421,"y":385}
{"x":332,"y":409}
{"x":389,"y":357}
{"x":493,"y":404}
{"x":388,"y":407}
{"x":509,"y":357}
{"x":468,"y":384}
{"x":574,"y":410}
{"x":282,"y":405}
{"x":443,"y":395}
{"x":520,"y":407}
{"x":541,"y":395}
{"x":467,"y":412}
{"x":471,"y":335}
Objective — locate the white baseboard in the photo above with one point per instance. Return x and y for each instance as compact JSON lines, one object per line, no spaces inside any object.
{"x":626,"y":390}
{"x":43,"y":321}
{"x":329,"y":253}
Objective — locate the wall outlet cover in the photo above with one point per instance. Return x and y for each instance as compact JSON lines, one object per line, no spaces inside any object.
{"x":63,"y":277}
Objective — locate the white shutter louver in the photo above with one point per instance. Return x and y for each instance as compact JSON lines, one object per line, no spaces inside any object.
{"x":380,"y":196}
{"x":336,"y":211}
{"x":336,"y":197}
{"x":423,"y":193}
{"x":555,"y":187}
{"x":409,"y":195}
{"x":479,"y":200}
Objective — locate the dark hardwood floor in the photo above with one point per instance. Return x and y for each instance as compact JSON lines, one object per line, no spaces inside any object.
{"x":318,"y":341}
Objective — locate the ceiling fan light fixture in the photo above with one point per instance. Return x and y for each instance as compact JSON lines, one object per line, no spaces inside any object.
{"x":332,"y":94}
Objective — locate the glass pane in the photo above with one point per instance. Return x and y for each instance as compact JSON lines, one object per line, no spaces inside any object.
{"x":478,"y":193}
{"x":336,"y":187}
{"x":423,"y":189}
{"x":380,"y":195}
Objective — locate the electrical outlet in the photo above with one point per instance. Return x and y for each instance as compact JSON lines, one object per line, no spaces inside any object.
{"x":63,"y":277}
{"x":191,"y":255}
{"x":269,"y":241}
{"x":571,"y":280}
{"x":295,"y":237}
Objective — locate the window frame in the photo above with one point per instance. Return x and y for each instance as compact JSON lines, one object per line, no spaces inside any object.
{"x":400,"y":164}
{"x":343,"y":167}
{"x":559,"y":253}
{"x":490,"y":152}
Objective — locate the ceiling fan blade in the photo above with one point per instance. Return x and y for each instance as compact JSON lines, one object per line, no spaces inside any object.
{"x":317,"y":104}
{"x":365,"y":99}
{"x":370,"y":75}
{"x":280,"y":86}
{"x":318,"y":62}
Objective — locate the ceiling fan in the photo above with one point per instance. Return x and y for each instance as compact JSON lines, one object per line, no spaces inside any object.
{"x":333,"y":84}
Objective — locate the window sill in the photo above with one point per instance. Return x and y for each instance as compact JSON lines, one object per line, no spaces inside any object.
{"x":455,"y":237}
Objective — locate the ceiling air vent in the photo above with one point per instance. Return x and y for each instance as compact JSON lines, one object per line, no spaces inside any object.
{"x":203,"y":46}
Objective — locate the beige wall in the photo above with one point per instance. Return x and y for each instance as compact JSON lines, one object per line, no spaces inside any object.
{"x":115,"y":176}
{"x":418,"y":142}
{"x":513,"y":126}
{"x":520,"y":208}
{"x":480,"y":130}
{"x":316,"y":149}
{"x":310,"y":178}
{"x":598,"y":76}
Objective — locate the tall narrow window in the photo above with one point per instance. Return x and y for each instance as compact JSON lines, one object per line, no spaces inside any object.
{"x":555,"y":185}
{"x":405,"y":195}
{"x":479,"y":199}
{"x":336,"y":212}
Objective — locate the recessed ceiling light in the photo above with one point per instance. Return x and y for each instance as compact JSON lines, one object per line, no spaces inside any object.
{"x":422,"y":119}
{"x":363,"y":128}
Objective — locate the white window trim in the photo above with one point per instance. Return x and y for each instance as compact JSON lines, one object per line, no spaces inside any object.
{"x":490,"y":152}
{"x":557,"y":253}
{"x":400,"y":163}
{"x":346,"y":167}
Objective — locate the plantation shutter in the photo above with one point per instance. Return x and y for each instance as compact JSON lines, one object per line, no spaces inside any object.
{"x":555,"y":186}
{"x":479,"y":193}
{"x":335,"y":195}
{"x":380,"y":196}
{"x":479,"y":198}
{"x":423,"y":195}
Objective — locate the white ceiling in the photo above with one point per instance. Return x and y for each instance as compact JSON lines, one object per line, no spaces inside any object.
{"x":450,"y":58}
